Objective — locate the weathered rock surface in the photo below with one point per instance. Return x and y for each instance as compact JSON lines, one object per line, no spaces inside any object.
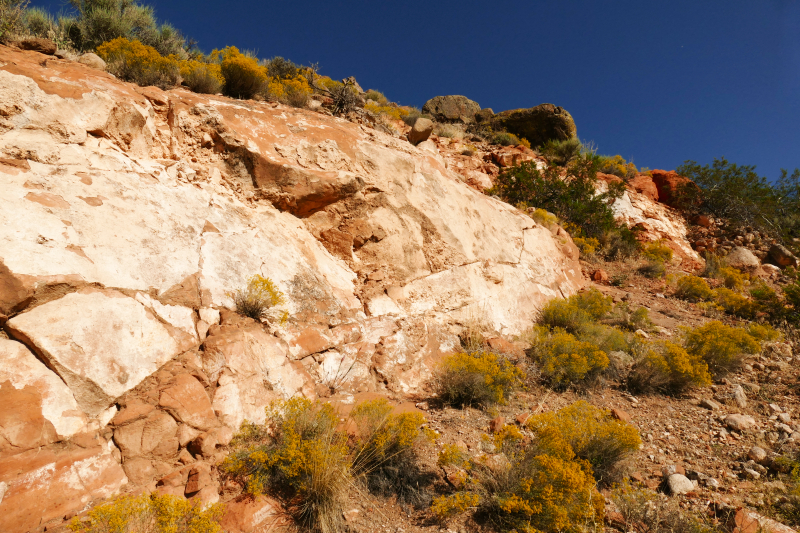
{"x":420,"y":131}
{"x":538,"y":124}
{"x":743,"y":259}
{"x":451,"y":108}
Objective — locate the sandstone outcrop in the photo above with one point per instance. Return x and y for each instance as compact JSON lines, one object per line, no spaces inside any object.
{"x":130,"y":214}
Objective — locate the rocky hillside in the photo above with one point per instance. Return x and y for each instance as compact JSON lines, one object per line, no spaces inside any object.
{"x":130,"y":215}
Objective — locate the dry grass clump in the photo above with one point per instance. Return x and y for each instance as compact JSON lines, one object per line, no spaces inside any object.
{"x":255,"y":300}
{"x":479,"y":378}
{"x":644,"y":510}
{"x":150,"y":513}
{"x":12,"y":15}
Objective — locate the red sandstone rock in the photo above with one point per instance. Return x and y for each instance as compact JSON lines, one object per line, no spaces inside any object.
{"x":187,"y":401}
{"x":246,"y":514}
{"x":644,"y":184}
{"x":670,"y":186}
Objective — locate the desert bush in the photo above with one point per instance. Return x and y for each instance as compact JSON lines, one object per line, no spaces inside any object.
{"x":480,"y":378}
{"x":394,"y":112}
{"x":292,"y":91}
{"x":667,"y":367}
{"x":299,"y":454}
{"x":618,"y":166}
{"x":385,"y":451}
{"x":414,"y":113}
{"x":100,"y":21}
{"x":721,"y":347}
{"x":564,"y":360}
{"x":452,"y":454}
{"x":150,"y":513}
{"x":589,"y":432}
{"x":572,"y":197}
{"x":561,"y":153}
{"x":732,"y":278}
{"x":657,"y":251}
{"x":630,"y":319}
{"x":587,"y":247}
{"x":259,"y":296}
{"x":564,"y":314}
{"x":451,"y":131}
{"x":505,"y":139}
{"x":282,"y":69}
{"x":770,"y":303}
{"x":12,"y":14}
{"x":202,"y":77}
{"x":445,"y":507}
{"x":39,"y":23}
{"x":735,"y":304}
{"x":653,"y":269}
{"x":645,"y":510}
{"x":543,"y":217}
{"x":376,"y":96}
{"x":694,"y":289}
{"x":762,"y":332}
{"x":592,"y":302}
{"x":345,"y":99}
{"x":244,"y":77}
{"x":141,"y":64}
{"x":714,"y":264}
{"x":539,"y":492}
{"x":606,"y":338}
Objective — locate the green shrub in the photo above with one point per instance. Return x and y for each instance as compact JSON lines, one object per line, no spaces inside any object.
{"x":565,"y":360}
{"x":770,"y":303}
{"x":564,"y":314}
{"x":561,"y":153}
{"x":721,"y":347}
{"x":714,"y":264}
{"x":100,"y":21}
{"x":479,"y":378}
{"x":573,"y":199}
{"x":260,"y":295}
{"x":282,"y":69}
{"x":588,"y":432}
{"x":138,"y":63}
{"x":150,"y":513}
{"x":606,"y":338}
{"x":667,"y":367}
{"x":414,"y":113}
{"x":39,"y":23}
{"x":631,"y":319}
{"x":694,"y":289}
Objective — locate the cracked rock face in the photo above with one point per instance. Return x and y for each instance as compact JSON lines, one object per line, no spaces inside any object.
{"x":129,"y":216}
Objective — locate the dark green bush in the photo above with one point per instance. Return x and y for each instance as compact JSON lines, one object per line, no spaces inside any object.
{"x":572,"y":198}
{"x":561,"y":153}
{"x":506,"y":139}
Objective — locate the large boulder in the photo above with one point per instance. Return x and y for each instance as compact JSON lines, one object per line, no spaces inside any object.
{"x":742,"y":259}
{"x":782,"y":256}
{"x":452,"y":108}
{"x":420,"y":131}
{"x":537,"y":124}
{"x":38,"y":44}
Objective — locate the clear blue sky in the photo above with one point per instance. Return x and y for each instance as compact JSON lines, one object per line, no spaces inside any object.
{"x":658,"y":82}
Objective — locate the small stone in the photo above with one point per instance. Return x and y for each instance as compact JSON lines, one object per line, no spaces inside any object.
{"x":739,"y":397}
{"x":522,"y":418}
{"x":619,"y":414}
{"x":739,"y":423}
{"x":496,"y":424}
{"x":679,"y":484}
{"x":749,"y":473}
{"x":709,"y":404}
{"x":786,"y":418}
{"x":92,"y":60}
{"x":775,"y":408}
{"x":351,"y":515}
{"x":600,"y":275}
{"x":757,"y":454}
{"x":642,"y":333}
{"x":422,"y":405}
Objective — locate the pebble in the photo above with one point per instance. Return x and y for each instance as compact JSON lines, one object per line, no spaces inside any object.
{"x":757,"y":454}
{"x":709,"y":404}
{"x":679,"y":484}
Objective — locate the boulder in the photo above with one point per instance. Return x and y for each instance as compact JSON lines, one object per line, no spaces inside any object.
{"x":742,"y":259}
{"x":537,"y":124}
{"x":673,"y":189}
{"x":156,"y":435}
{"x":248,"y":514}
{"x":782,"y":256}
{"x":51,"y":399}
{"x":679,"y":484}
{"x":38,"y":44}
{"x":757,"y":454}
{"x":102,"y":344}
{"x":484,"y":115}
{"x":420,"y":131}
{"x":451,"y":108}
{"x":740,"y":423}
{"x":645,"y":185}
{"x":92,"y":60}
{"x":746,"y":521}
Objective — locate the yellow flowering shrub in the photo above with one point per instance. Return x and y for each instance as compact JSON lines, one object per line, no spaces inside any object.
{"x":479,"y":378}
{"x":452,"y":454}
{"x":544,"y":217}
{"x":657,"y":251}
{"x":508,"y":436}
{"x":565,"y":360}
{"x":244,"y":77}
{"x":735,"y":304}
{"x":260,"y":295}
{"x":444,"y":507}
{"x":133,"y":61}
{"x":587,"y":246}
{"x":393,"y":112}
{"x":667,"y":367}
{"x":293,"y":91}
{"x":618,"y":166}
{"x":153,"y":513}
{"x":762,"y":332}
{"x":732,"y":278}
{"x":721,"y":347}
{"x":694,"y":289}
{"x":590,"y":433}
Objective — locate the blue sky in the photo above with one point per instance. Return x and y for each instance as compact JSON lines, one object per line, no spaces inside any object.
{"x":657,"y":82}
